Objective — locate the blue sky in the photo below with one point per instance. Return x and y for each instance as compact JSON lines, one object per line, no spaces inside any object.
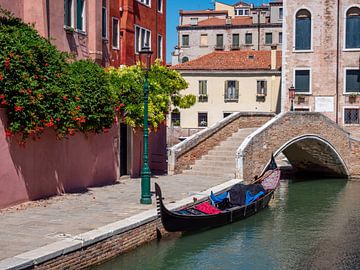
{"x":172,"y":20}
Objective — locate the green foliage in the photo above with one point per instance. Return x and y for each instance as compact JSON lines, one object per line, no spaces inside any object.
{"x":40,"y":89}
{"x":164,"y":88}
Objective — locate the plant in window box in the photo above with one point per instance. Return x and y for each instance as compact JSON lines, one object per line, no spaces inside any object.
{"x":203,"y":98}
{"x":300,"y":99}
{"x":203,"y":123}
{"x":69,"y":29}
{"x":352,"y":97}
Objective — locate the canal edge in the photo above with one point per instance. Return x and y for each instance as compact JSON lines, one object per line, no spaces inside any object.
{"x":102,"y":244}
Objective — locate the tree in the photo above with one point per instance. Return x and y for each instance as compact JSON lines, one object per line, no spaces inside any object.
{"x":165,"y":86}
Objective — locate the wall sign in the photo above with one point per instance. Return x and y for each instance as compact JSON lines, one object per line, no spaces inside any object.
{"x":324,"y":104}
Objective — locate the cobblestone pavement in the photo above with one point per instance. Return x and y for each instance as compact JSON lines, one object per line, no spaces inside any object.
{"x":32,"y":225}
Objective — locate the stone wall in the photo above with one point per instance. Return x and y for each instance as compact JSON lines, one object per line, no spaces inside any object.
{"x":107,"y":249}
{"x":186,"y":153}
{"x":279,"y":133}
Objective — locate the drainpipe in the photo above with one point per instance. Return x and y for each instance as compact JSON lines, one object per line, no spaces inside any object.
{"x":337,"y":62}
{"x":48,"y":18}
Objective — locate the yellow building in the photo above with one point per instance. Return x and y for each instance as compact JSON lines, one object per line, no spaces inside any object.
{"x":229,"y":81}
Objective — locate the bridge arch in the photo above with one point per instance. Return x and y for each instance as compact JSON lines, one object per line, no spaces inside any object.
{"x":312,"y":143}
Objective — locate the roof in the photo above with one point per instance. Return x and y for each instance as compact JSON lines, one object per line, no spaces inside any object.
{"x":202,"y":12}
{"x":232,"y":60}
{"x":242,"y":3}
{"x":241,"y":20}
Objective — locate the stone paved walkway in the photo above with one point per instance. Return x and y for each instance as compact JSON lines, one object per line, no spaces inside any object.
{"x":26,"y":228}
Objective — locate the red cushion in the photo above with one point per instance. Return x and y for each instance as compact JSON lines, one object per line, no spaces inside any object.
{"x":207,"y":208}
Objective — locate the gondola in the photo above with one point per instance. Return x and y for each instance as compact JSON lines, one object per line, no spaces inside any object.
{"x":191,"y":219}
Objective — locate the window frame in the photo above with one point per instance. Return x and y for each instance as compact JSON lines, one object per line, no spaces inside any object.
{"x":344,"y":23}
{"x":207,"y":40}
{"x":264,"y":93}
{"x":311,"y":34}
{"x":350,"y":108}
{"x":106,"y":23}
{"x":188,"y":40}
{"x":235,"y":99}
{"x":138,"y":44}
{"x":216,"y":41}
{"x":281,"y":13}
{"x":71,"y":14}
{"x":237,"y":46}
{"x":161,"y":6}
{"x":207,"y":120}
{"x":160,"y":47}
{"x":310,"y":80}
{"x":173,"y":113}
{"x":344,"y":88}
{"x":267,"y":34}
{"x":203,"y":97}
{"x":83,"y":21}
{"x":113,"y":19}
{"x":143,"y":3}
{"x":251,"y":35}
{"x":280,"y":39}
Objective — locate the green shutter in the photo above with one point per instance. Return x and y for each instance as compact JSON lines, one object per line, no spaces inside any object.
{"x":303,"y":34}
{"x":79,"y":14}
{"x":353,"y":80}
{"x":302,"y":80}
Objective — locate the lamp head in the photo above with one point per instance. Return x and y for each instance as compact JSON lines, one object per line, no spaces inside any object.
{"x":145,"y":56}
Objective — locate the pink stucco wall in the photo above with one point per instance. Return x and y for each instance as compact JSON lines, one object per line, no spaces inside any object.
{"x":49,"y":167}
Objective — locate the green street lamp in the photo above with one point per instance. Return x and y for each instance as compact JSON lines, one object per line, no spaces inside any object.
{"x":145,"y":172}
{"x":292,"y":93}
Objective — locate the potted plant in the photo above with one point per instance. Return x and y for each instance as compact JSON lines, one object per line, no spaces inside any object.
{"x":352,"y":97}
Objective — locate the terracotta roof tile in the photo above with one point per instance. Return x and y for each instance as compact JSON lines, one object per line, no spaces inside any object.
{"x":243,"y":20}
{"x":232,"y":60}
{"x":194,"y":12}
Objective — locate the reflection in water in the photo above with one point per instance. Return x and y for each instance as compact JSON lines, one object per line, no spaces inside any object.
{"x":309,"y":225}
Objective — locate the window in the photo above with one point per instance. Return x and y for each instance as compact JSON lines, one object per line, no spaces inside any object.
{"x":80,"y":15}
{"x":226,"y":114}
{"x":175,"y":118}
{"x":68,"y":13}
{"x":115,"y":33}
{"x":202,"y":119}
{"x":280,"y":37}
{"x":104,"y":20}
{"x":185,"y":40}
{"x":353,"y":28}
{"x":241,"y":12}
{"x":248,"y":38}
{"x":281,"y":13}
{"x":142,"y":38}
{"x":303,"y":30}
{"x":261,"y":88}
{"x":203,"y":40}
{"x":203,"y":96}
{"x":351,"y":116}
{"x":231,"y":91}
{"x":268,"y":38}
{"x":145,"y":2}
{"x":235,"y":41}
{"x":160,"y":47}
{"x":185,"y":59}
{"x":219,"y":41}
{"x":193,"y":21}
{"x":302,"y":81}
{"x":352,"y":80}
{"x":159,"y":5}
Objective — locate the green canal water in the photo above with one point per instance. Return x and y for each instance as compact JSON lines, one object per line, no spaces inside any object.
{"x":308,"y":225}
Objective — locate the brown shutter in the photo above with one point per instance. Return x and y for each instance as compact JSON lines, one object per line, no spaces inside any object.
{"x":265,"y":88}
{"x":225,"y":89}
{"x":237,"y":89}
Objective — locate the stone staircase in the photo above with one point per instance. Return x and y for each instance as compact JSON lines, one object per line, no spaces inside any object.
{"x":220,"y":161}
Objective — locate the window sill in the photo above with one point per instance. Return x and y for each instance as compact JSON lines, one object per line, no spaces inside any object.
{"x":185,"y":46}
{"x":351,"y":125}
{"x":303,"y":94}
{"x":231,"y":101}
{"x":303,"y":51}
{"x":351,"y":50}
{"x":115,"y":48}
{"x":81,"y":32}
{"x":351,"y":93}
{"x":148,"y":6}
{"x":69,"y":29}
{"x":204,"y":46}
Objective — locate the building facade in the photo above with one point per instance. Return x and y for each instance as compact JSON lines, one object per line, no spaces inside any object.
{"x":227,"y":82}
{"x":228,"y":27}
{"x":321,"y":53}
{"x":109,"y":31}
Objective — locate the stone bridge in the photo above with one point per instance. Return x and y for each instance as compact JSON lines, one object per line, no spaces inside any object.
{"x":313,"y":144}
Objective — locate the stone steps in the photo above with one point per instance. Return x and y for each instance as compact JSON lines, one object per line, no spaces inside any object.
{"x":220,"y":161}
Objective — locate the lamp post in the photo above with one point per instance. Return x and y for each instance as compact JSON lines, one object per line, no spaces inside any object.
{"x":145,"y":172}
{"x":292,"y":92}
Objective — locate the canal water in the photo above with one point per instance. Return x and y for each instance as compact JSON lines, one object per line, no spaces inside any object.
{"x":308,"y":225}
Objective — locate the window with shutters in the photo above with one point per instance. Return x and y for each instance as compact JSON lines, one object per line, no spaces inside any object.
{"x":351,"y":116}
{"x":231,"y":93}
{"x":69,"y":13}
{"x":303,"y":30}
{"x":235,"y":41}
{"x":219,"y":42}
{"x":203,"y":40}
{"x":142,"y":38}
{"x":185,"y":40}
{"x":175,"y":118}
{"x":261,"y":88}
{"x":352,"y":32}
{"x":302,"y":81}
{"x":80,"y":15}
{"x":202,"y":119}
{"x":352,"y":80}
{"x":268,"y":38}
{"x":203,"y":95}
{"x":248,"y":38}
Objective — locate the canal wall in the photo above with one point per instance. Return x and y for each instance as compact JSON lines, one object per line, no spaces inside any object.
{"x":104,"y":243}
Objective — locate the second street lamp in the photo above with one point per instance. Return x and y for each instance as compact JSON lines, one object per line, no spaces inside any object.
{"x":145,"y":172}
{"x":292,"y":93}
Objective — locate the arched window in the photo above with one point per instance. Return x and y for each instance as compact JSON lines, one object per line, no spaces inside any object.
{"x":303,"y":30}
{"x":185,"y":59}
{"x":353,"y":28}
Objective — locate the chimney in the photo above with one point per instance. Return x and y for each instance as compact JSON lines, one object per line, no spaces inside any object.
{"x":228,"y":21}
{"x":273,"y":57}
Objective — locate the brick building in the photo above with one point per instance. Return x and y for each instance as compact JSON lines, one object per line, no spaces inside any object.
{"x":321,"y":58}
{"x":228,"y":27}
